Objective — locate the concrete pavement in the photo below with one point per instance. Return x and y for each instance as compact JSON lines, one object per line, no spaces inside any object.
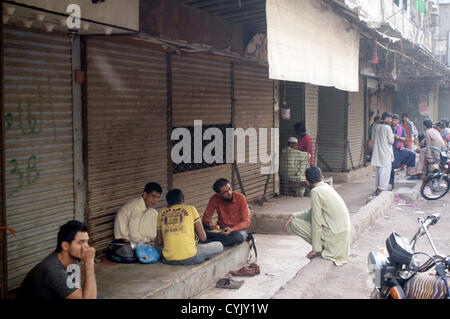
{"x":284,"y":267}
{"x":281,"y":255}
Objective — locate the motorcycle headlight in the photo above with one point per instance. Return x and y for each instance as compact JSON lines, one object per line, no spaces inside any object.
{"x":377,"y":264}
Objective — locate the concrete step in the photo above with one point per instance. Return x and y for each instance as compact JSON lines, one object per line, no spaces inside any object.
{"x":280,"y":257}
{"x":161,"y":281}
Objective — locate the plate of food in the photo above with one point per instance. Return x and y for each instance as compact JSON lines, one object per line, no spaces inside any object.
{"x":215,"y":229}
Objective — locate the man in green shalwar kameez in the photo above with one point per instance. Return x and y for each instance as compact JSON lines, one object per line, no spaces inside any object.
{"x":326,"y":226}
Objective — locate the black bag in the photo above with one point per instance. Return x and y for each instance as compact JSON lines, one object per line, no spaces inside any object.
{"x":120,"y":251}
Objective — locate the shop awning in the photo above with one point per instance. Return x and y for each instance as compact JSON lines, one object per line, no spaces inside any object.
{"x":308,"y":42}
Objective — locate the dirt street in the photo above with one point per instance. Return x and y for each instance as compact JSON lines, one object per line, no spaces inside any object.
{"x":351,"y":280}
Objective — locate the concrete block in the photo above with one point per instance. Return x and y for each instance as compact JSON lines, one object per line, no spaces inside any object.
{"x":157,"y":281}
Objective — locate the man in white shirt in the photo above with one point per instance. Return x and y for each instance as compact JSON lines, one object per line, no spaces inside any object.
{"x":136,"y":220}
{"x":383,"y":154}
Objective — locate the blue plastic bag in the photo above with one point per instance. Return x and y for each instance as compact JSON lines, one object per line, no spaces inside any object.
{"x":146,"y":254}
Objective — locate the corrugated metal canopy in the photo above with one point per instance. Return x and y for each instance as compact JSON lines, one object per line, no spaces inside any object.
{"x":250,"y":13}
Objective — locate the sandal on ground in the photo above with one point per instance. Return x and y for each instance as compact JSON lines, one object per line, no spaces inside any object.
{"x":244,"y":272}
{"x":255,"y":266}
{"x":228,"y":283}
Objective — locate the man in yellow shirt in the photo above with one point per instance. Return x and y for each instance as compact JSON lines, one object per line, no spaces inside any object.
{"x":326,"y":226}
{"x":136,"y":220}
{"x":176,"y":229}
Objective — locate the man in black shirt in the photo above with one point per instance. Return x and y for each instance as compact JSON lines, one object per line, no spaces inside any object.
{"x":58,"y":275}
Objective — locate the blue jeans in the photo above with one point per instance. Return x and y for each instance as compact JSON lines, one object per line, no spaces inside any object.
{"x":234,"y":238}
{"x":204,"y":251}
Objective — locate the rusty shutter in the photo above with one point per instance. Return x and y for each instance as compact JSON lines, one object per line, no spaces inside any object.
{"x":332,"y":129}
{"x":201,"y":90}
{"x":312,"y":114}
{"x":126,"y":130}
{"x":38,"y":146}
{"x":355,"y":147}
{"x":254,"y":108}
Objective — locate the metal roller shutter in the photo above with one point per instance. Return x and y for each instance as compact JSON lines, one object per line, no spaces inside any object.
{"x":312,"y":113}
{"x":127,"y":129}
{"x":38,"y":146}
{"x":197,"y":185}
{"x":331,"y":144}
{"x":201,"y":90}
{"x":254,"y":107}
{"x":355,"y":149}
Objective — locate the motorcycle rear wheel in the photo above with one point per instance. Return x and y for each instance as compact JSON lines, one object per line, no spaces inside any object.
{"x":433,"y":189}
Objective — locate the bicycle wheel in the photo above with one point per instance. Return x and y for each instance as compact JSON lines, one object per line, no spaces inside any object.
{"x":434,"y":188}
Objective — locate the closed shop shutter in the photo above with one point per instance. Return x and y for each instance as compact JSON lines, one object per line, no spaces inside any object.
{"x":127,"y":129}
{"x":201,"y":90}
{"x":390,"y":100}
{"x":38,"y":145}
{"x":331,"y":144}
{"x":355,"y":148}
{"x":254,"y":108}
{"x":312,"y":113}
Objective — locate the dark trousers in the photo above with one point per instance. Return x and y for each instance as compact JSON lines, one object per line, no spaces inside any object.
{"x":404,"y":157}
{"x":232,"y":239}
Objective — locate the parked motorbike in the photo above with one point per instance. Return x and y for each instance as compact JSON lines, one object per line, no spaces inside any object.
{"x":437,"y":184}
{"x":398,"y":274}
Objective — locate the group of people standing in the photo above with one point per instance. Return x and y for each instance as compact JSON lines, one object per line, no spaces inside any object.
{"x":395,"y":146}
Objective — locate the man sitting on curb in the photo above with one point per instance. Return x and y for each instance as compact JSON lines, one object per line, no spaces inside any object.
{"x":176,"y":229}
{"x":233,"y":214}
{"x":50,"y":278}
{"x":326,"y":226}
{"x":136,"y":220}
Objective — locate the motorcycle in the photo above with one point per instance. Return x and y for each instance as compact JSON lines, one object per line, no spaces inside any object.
{"x":437,"y":184}
{"x":398,"y":274}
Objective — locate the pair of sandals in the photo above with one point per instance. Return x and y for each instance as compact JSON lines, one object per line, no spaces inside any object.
{"x":246,"y":271}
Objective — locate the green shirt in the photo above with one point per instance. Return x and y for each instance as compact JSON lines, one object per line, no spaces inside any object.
{"x":329,"y":217}
{"x":293,"y":164}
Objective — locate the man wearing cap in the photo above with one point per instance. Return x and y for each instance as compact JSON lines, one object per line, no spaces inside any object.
{"x":293,"y":164}
{"x":383,"y":155}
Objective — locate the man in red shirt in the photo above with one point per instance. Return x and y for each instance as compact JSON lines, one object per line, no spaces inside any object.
{"x":305,"y":144}
{"x":233,"y":215}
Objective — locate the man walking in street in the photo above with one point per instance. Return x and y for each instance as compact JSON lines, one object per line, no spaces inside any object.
{"x":383,"y":155}
{"x":50,"y":279}
{"x":326,"y":225}
{"x":233,"y":215}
